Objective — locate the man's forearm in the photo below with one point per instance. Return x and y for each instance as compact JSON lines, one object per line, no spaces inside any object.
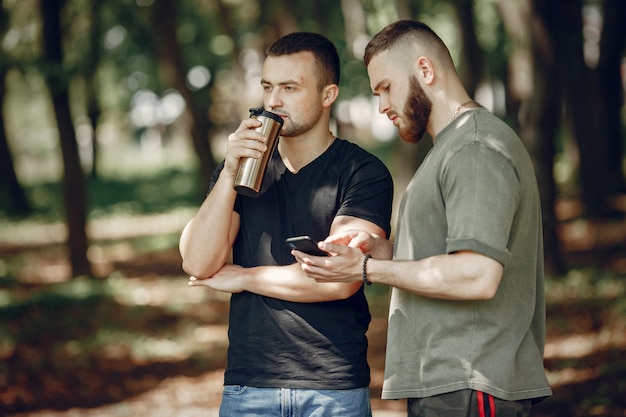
{"x":290,"y":283}
{"x":457,"y":276}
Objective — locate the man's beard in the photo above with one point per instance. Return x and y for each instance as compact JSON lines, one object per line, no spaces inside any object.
{"x":292,"y":128}
{"x":416,"y":112}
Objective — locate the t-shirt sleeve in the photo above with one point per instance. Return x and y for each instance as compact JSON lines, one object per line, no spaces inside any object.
{"x":369,"y":192}
{"x":482,"y":191}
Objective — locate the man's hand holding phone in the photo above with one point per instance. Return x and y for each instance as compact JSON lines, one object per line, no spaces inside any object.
{"x":305,"y":244}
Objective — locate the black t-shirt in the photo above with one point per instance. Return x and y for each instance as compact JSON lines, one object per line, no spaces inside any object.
{"x":275,"y":343}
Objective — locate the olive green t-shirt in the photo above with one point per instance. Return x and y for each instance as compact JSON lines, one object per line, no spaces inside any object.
{"x":476,"y":190}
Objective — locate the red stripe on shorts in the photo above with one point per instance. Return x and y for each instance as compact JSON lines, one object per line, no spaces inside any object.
{"x":482,"y":412}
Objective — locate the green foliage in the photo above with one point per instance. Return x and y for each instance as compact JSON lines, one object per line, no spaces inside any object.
{"x":157,"y":193}
{"x":45,"y":308}
{"x":148,"y":194}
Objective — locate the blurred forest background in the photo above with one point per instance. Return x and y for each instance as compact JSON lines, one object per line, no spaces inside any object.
{"x":114,"y":113}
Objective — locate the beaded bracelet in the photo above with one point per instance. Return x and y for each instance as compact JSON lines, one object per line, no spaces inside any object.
{"x":365,"y":280}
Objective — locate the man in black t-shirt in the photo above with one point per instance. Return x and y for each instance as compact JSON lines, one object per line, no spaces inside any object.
{"x":294,"y":344}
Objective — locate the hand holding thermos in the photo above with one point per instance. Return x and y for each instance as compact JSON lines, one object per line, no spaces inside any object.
{"x":251,"y":170}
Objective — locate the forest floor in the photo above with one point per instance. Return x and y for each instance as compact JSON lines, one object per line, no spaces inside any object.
{"x":139,"y":342}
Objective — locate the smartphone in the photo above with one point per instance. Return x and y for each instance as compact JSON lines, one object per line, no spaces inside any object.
{"x":305,"y":244}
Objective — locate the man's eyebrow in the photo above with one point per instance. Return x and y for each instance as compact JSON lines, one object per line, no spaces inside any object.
{"x":378,"y":86}
{"x":287,"y":82}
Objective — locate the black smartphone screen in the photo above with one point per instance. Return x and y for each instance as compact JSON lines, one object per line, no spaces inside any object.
{"x":305,"y":244}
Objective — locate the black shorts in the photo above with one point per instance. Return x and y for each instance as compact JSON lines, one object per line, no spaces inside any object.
{"x":467,"y":403}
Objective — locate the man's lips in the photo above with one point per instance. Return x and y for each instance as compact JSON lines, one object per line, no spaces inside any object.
{"x":278,"y":113}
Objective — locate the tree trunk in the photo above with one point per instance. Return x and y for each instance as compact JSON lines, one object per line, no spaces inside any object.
{"x":581,"y":104}
{"x":92,"y":58}
{"x":611,"y":94}
{"x":170,"y":58}
{"x":472,"y":63}
{"x":17,"y":202}
{"x":74,"y":194}
{"x":539,"y":115}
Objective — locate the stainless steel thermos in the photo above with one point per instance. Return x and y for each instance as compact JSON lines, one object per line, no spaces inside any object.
{"x":251,"y":170}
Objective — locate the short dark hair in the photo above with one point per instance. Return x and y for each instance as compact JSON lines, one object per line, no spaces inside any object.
{"x":401,"y":30}
{"x":323,"y":50}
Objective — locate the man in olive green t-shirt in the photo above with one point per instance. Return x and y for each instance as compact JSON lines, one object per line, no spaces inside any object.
{"x":467,"y":313}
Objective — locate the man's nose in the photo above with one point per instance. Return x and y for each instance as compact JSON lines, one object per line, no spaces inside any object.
{"x":273,"y":99}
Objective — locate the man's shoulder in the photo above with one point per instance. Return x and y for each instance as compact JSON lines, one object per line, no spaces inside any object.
{"x":352,"y":150}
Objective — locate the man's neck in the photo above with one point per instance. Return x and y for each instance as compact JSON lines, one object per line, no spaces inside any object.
{"x":299,"y":151}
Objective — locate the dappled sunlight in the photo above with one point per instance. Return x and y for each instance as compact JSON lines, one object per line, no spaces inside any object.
{"x":39,"y":254}
{"x":32,"y":232}
{"x":87,"y":333}
{"x":585,"y":234}
{"x":172,"y":293}
{"x":570,"y":376}
{"x":139,"y":334}
{"x":46,"y":271}
{"x":137,"y":338}
{"x":597,"y":241}
{"x":121,"y":227}
{"x":210,"y":334}
{"x":584,"y":284}
{"x":579,"y":346}
{"x":25,"y":233}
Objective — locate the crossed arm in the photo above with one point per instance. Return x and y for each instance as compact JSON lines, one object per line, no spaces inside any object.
{"x":205,"y":260}
{"x":288,"y":282}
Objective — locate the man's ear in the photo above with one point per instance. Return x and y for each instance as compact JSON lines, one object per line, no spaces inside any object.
{"x":425,"y":69}
{"x":330,"y":94}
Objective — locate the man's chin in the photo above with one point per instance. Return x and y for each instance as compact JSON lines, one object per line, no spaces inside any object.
{"x":409,"y":137}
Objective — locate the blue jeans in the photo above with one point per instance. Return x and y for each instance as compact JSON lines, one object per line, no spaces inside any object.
{"x":243,"y":401}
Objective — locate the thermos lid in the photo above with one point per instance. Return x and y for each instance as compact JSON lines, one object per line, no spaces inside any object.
{"x":260,"y":111}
